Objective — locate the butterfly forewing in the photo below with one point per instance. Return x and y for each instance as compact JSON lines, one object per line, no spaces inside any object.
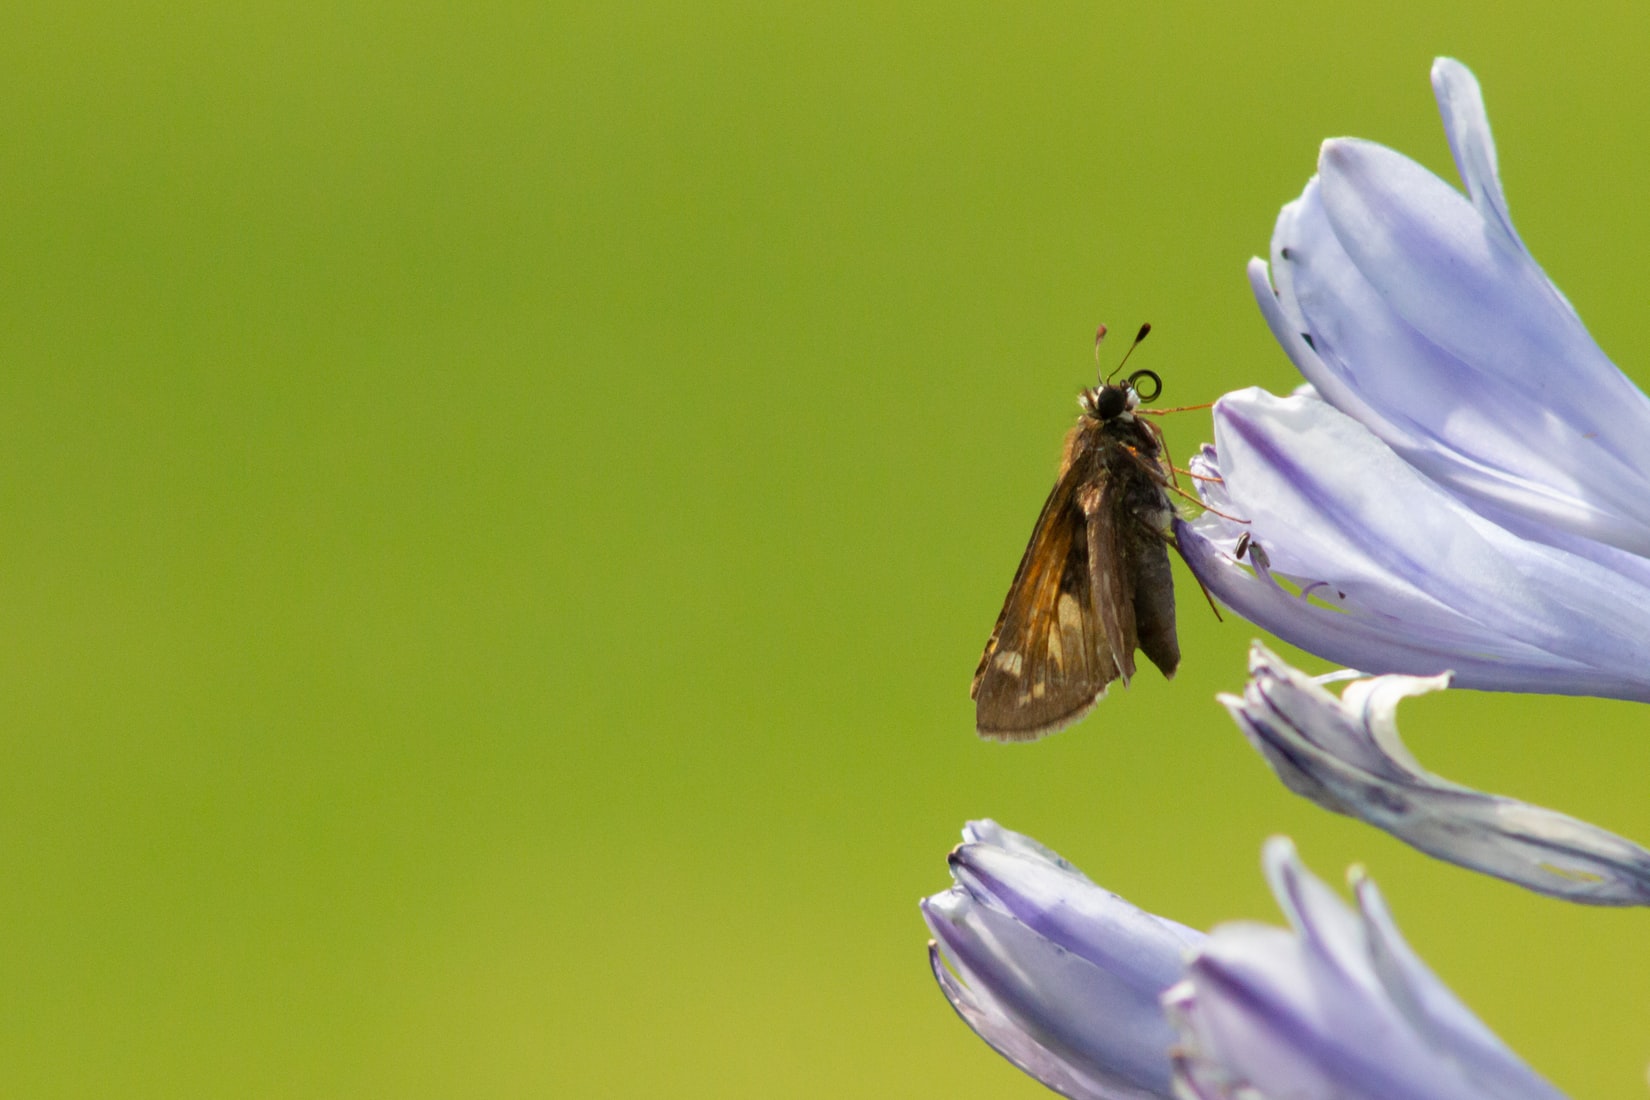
{"x":1048,"y":661}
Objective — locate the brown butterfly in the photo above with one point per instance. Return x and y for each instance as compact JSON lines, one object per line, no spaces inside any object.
{"x":1094,"y":584}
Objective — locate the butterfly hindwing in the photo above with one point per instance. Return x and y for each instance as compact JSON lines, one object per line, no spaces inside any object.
{"x":1145,"y":558}
{"x":1154,"y":603}
{"x":1102,"y":502}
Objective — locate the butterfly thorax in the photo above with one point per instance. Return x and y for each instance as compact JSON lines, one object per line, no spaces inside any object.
{"x":1109,"y":440}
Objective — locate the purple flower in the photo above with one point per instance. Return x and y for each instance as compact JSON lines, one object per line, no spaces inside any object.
{"x":1097,"y":999}
{"x":1061,"y":977}
{"x":1345,"y":754}
{"x":1464,"y":483}
{"x":1337,"y":1008}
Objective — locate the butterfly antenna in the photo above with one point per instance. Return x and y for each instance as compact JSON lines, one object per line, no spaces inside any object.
{"x":1145,"y":329}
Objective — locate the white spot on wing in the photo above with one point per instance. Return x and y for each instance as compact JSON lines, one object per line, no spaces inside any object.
{"x":1071,"y":616}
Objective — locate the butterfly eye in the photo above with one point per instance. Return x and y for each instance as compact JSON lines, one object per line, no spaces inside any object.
{"x":1137,"y":380}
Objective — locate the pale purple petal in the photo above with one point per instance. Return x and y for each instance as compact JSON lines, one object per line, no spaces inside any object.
{"x":1063,"y":907}
{"x":1402,"y":576}
{"x":1345,"y":754}
{"x":1465,"y":422}
{"x":1338,"y":1009}
{"x":1057,"y":974}
{"x":1467,"y":125}
{"x":1008,"y":1038}
{"x":1433,"y":1011}
{"x":1513,"y":384}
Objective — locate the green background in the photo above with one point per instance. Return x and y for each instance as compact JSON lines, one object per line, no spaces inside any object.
{"x":499,"y":506}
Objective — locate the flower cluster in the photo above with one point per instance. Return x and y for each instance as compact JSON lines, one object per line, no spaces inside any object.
{"x":1459,"y":495}
{"x":1102,"y":1001}
{"x":1464,"y":482}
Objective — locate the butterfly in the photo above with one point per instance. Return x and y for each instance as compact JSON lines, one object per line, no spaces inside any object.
{"x":1094,"y":584}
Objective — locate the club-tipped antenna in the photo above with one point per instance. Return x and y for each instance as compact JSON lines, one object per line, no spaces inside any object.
{"x":1145,"y":329}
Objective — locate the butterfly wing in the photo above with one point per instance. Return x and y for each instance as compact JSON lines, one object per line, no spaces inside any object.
{"x":1048,"y":661}
{"x":1154,"y":601}
{"x":1145,"y":515}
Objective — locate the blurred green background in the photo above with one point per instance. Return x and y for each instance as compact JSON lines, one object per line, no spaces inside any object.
{"x":500,"y":504}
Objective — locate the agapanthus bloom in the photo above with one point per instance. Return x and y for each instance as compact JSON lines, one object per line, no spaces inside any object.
{"x":1061,"y":977}
{"x":1464,"y":483}
{"x":1345,"y":754}
{"x":1336,"y":1008}
{"x":1099,"y":1000}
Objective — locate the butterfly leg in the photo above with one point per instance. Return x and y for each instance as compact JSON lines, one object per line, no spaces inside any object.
{"x":1155,"y":468}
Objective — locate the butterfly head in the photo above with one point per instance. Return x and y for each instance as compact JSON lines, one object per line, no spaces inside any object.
{"x":1109,"y":400}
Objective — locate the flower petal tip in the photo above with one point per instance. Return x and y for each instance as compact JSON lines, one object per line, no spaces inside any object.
{"x":1449,"y":77}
